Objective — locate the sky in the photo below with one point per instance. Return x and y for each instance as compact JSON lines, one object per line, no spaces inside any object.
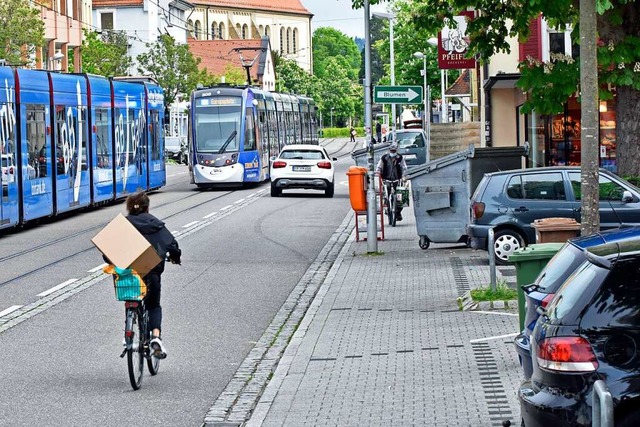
{"x":338,"y":14}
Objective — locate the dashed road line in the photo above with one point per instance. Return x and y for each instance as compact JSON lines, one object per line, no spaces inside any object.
{"x":55,"y":288}
{"x":191,"y":224}
{"x":210,"y":215}
{"x":100,"y":267}
{"x":226,"y":207}
{"x":238,"y":201}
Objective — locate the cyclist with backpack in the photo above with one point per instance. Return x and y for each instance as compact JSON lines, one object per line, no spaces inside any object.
{"x":392,"y":167}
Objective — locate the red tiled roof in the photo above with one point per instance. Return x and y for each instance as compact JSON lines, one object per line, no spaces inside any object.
{"x":216,"y":55}
{"x":462,"y":85}
{"x":116,"y":3}
{"x":292,"y":6}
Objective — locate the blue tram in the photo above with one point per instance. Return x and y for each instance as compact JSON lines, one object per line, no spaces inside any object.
{"x":234,"y":131}
{"x":70,"y":141}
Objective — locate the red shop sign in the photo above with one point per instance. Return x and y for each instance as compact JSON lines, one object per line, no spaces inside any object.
{"x":453,"y":44}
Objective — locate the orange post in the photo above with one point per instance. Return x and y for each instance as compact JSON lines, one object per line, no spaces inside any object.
{"x":357,"y":184}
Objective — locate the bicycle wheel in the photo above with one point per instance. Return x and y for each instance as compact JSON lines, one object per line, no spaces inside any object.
{"x":391,"y":210}
{"x":153,"y":363}
{"x":135,"y":354}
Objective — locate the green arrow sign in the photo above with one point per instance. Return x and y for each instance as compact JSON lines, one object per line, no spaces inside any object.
{"x":397,"y":94}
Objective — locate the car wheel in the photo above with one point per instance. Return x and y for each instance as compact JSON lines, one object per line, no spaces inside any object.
{"x":275,"y":191}
{"x":424,"y":242}
{"x":506,"y":242}
{"x":328,"y":192}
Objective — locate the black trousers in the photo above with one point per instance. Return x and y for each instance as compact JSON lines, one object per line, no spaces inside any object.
{"x":152,"y":300}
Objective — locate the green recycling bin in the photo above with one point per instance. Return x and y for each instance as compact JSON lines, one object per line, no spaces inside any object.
{"x":529,"y":263}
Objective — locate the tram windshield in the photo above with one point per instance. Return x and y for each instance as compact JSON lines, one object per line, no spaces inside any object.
{"x":217,"y":122}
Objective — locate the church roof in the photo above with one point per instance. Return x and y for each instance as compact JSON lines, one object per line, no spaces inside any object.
{"x":216,"y":55}
{"x":291,"y":6}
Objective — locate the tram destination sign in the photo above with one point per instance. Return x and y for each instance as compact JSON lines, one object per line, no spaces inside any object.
{"x":397,"y":94}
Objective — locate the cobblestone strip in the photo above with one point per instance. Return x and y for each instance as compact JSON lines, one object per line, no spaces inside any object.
{"x":45,"y":303}
{"x":235,"y":404}
{"x":494,"y":391}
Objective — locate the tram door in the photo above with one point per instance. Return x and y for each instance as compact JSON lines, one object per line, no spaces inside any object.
{"x":9,"y":172}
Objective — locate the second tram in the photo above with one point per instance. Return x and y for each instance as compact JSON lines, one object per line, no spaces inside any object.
{"x":234,"y":131}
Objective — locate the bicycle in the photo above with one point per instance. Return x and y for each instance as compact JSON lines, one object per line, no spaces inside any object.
{"x":391,"y":198}
{"x":137,"y":334}
{"x":136,"y":343}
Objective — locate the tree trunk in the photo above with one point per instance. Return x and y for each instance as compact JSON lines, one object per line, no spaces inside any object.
{"x":589,"y":105}
{"x":628,"y":131}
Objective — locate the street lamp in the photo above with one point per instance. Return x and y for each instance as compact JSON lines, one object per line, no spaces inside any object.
{"x":391,"y":17}
{"x":422,"y":56}
{"x":444,"y":115}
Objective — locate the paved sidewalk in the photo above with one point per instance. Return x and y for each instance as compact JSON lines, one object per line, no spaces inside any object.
{"x":383,"y":343}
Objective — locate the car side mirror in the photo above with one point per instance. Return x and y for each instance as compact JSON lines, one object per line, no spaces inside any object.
{"x":627,"y":197}
{"x":335,"y":159}
{"x":272,"y":158}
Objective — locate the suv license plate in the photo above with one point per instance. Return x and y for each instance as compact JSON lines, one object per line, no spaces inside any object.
{"x":302,"y":168}
{"x":215,"y":171}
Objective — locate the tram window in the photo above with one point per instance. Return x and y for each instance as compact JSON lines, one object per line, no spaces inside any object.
{"x":84,"y":137}
{"x":155,"y":135}
{"x":103,"y":146}
{"x":249,"y":132}
{"x":69,"y":129}
{"x":38,"y":152}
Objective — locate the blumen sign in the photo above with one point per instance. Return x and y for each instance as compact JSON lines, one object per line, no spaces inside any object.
{"x":453,"y":44}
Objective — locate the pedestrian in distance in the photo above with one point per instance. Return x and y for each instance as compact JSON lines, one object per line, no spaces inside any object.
{"x":378,"y":132}
{"x":352,"y":134}
{"x":164,"y":243}
{"x":392,"y":167}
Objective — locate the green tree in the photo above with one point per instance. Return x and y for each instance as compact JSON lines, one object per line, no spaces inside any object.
{"x":550,"y":84}
{"x":106,"y":54}
{"x":331,"y":43}
{"x":21,"y":31}
{"x":291,"y":78}
{"x":173,"y":66}
{"x":338,"y":94}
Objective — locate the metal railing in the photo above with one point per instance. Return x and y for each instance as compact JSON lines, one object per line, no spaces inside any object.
{"x":602,"y":405}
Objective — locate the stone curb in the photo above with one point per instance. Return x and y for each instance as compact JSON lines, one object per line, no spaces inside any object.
{"x":466,"y":303}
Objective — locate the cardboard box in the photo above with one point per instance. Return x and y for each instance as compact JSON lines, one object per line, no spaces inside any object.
{"x":123,"y":244}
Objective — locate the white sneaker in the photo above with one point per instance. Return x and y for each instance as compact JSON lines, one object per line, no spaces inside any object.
{"x":158,"y":349}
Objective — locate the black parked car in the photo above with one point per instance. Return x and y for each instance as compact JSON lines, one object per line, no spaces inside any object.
{"x":558,"y":269}
{"x":509,"y":201}
{"x":589,"y":331}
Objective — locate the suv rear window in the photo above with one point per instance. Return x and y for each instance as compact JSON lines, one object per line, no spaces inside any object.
{"x":576,"y":288}
{"x":302,"y":154}
{"x":559,"y":268}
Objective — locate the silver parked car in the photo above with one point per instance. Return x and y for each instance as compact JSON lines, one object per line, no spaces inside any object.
{"x":175,"y":148}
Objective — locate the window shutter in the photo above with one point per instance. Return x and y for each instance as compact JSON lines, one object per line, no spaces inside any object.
{"x":533,"y":46}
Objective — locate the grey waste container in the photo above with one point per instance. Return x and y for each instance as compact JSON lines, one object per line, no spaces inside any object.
{"x":361,"y":155}
{"x":442,"y":189}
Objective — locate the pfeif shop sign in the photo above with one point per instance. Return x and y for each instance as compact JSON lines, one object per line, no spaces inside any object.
{"x":453,"y":44}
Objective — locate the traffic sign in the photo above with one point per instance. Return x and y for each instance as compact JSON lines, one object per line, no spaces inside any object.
{"x":397,"y":94}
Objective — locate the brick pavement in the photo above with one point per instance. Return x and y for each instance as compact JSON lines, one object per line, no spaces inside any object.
{"x":383,"y":343}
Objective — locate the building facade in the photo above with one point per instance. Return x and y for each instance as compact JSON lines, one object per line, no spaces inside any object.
{"x":287,"y":23}
{"x":64,"y":23}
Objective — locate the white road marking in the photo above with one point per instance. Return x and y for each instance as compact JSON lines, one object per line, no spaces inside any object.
{"x":209,"y":215}
{"x":100,"y":267}
{"x":497,"y":337}
{"x":494,"y":312}
{"x":9,"y":310}
{"x":175,"y":232}
{"x":191,"y":224}
{"x":226,"y":207}
{"x":55,"y":288}
{"x":238,"y":201}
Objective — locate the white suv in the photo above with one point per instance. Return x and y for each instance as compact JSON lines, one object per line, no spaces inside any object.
{"x":302,"y":166}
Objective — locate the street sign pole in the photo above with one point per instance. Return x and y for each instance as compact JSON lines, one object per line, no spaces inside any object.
{"x":372,"y":225}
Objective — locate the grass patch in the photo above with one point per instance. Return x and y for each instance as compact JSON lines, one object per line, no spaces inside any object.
{"x":501,"y":293}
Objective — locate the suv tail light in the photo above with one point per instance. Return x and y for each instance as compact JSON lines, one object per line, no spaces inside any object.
{"x":566,"y":354}
{"x":279,"y":164}
{"x":477,"y":210}
{"x":547,"y":300}
{"x":324,"y":165}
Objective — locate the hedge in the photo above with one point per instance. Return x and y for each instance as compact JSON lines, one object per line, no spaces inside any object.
{"x":339,"y":132}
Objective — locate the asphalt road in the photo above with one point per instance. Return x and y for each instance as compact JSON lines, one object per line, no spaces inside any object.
{"x":243,"y":252}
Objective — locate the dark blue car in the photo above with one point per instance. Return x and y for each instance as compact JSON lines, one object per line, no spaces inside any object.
{"x":559,"y":268}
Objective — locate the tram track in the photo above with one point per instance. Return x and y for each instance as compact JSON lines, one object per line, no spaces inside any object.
{"x":89,"y":247}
